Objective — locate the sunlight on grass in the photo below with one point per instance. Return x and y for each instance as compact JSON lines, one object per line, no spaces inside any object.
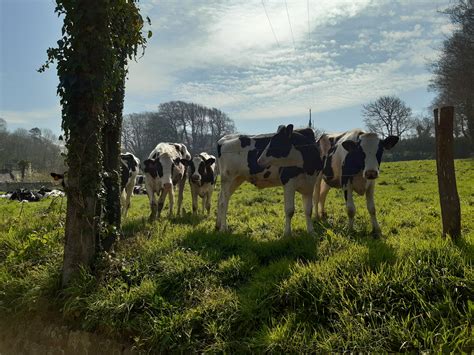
{"x":177,"y":285}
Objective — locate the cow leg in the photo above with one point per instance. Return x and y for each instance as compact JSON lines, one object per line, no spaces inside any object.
{"x":208,"y":197}
{"x":161,"y":201}
{"x":128,"y":191}
{"x":323,"y":192}
{"x":316,"y":193}
{"x":194,"y":195}
{"x":369,"y":197}
{"x":153,"y":205}
{"x":289,"y":198}
{"x":350,"y":206}
{"x":308,"y":207}
{"x":227,"y":189}
{"x":171,"y":194}
{"x":123,"y":202}
{"x":204,"y":201}
{"x":181,"y":186}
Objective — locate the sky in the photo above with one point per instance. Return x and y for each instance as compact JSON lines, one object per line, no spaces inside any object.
{"x":263,"y":63}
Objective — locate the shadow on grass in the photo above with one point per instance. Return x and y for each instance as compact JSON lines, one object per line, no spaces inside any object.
{"x":379,"y":251}
{"x":466,"y":248}
{"x":219,"y":245}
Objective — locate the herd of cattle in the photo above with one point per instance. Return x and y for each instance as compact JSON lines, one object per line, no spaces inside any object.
{"x":291,"y":158}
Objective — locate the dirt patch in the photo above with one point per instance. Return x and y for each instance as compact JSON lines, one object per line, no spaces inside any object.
{"x":48,"y":334}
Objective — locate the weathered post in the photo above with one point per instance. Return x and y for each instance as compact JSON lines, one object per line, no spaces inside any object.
{"x":448,"y":193}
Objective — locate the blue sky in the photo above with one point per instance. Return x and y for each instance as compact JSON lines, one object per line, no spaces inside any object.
{"x":332,"y":56}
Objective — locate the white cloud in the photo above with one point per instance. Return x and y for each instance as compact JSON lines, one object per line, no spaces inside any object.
{"x":34,"y":115}
{"x":225,"y":55}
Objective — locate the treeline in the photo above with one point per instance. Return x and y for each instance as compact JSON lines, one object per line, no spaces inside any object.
{"x":421,"y":148}
{"x":35,"y":148}
{"x":197,"y":126}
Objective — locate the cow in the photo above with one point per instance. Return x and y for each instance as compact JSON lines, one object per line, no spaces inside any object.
{"x":290,"y":158}
{"x":129,"y":167}
{"x":164,"y":169}
{"x":202,"y":180}
{"x":352,"y":164}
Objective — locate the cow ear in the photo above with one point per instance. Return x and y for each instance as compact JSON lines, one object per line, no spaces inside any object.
{"x":349,"y":145}
{"x":149,"y":162}
{"x":185,"y":162}
{"x":280,"y":128}
{"x":289,"y":130}
{"x":389,"y":142}
{"x":210,"y":161}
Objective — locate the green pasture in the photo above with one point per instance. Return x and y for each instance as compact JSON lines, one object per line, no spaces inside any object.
{"x":177,"y":285}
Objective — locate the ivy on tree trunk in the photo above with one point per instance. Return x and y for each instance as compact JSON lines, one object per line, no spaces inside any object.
{"x":98,"y":37}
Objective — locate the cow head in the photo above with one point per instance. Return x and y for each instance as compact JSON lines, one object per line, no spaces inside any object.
{"x":198,"y":166}
{"x":59,"y":179}
{"x":162,"y":168}
{"x":368,"y":152}
{"x":280,"y":151}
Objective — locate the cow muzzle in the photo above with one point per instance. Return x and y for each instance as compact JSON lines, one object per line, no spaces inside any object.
{"x":371,"y":174}
{"x":195,"y":178}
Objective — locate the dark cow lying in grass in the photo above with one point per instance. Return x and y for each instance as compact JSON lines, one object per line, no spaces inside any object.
{"x":129,"y":167}
{"x":202,"y":180}
{"x":164,"y":169}
{"x":353,"y":164}
{"x":289,"y":158}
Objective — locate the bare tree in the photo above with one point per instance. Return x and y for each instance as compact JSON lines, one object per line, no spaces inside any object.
{"x":423,"y":126}
{"x":388,"y":115}
{"x":197,"y":126}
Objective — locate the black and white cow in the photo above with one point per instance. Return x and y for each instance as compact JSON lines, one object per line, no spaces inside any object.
{"x":164,"y":169}
{"x":202,"y":179}
{"x":353,"y":164}
{"x":129,"y":168}
{"x":289,"y":158}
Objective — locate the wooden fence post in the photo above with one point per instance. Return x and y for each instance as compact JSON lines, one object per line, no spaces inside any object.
{"x":448,"y":193}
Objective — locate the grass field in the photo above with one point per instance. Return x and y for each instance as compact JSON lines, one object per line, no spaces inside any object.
{"x":177,"y":285}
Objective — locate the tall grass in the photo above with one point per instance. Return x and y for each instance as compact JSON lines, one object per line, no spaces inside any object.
{"x":177,"y":285}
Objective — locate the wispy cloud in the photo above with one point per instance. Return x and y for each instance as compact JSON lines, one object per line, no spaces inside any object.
{"x":225,"y":54}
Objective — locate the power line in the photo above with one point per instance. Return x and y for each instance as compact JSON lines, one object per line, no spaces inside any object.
{"x":270,"y":23}
{"x":291,"y":28}
{"x":310,"y":46}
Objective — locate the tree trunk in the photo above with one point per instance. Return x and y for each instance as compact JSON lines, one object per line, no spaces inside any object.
{"x":82,"y":113}
{"x":82,"y":188}
{"x":111,"y":149}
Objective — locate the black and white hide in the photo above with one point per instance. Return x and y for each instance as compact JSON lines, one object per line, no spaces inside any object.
{"x":289,"y":158}
{"x":353,"y":164}
{"x":202,"y":180}
{"x":129,"y":167}
{"x":165,"y":169}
